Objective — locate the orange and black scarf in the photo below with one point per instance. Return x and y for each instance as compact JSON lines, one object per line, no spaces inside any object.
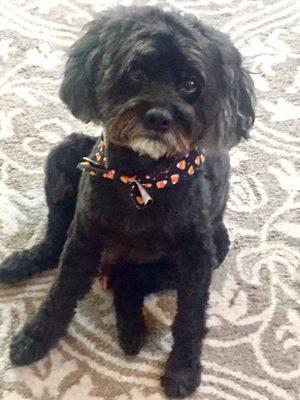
{"x":143,"y":187}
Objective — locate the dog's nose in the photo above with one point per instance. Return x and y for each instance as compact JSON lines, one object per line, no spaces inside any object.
{"x":158,"y":118}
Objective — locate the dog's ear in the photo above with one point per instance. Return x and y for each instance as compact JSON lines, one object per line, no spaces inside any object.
{"x":237,"y":108}
{"x":81,"y":75}
{"x":235,"y":116}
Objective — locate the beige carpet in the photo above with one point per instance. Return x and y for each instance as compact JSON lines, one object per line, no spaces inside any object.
{"x":252,"y":349}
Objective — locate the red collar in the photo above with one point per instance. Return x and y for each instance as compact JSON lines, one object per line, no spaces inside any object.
{"x":143,"y":186}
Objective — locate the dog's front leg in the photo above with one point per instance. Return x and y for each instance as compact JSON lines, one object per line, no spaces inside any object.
{"x":194,"y":265}
{"x":78,"y":265}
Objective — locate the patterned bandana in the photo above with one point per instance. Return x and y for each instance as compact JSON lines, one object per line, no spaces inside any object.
{"x":144,"y":186}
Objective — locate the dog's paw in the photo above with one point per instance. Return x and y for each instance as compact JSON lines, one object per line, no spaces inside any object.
{"x":14,"y":268}
{"x":181,"y":380}
{"x":131,"y":341}
{"x":24,"y":349}
{"x":9,"y":269}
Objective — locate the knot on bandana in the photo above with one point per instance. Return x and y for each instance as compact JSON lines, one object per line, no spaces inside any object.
{"x":142,"y":187}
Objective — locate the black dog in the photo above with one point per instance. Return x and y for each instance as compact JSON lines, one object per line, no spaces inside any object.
{"x":164,"y":86}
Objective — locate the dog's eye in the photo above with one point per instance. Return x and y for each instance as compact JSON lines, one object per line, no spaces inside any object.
{"x":137,"y":75}
{"x":190,"y":85}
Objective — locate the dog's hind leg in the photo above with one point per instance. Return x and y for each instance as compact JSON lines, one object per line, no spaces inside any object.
{"x":61,"y":185}
{"x":128,"y":293}
{"x":130,"y":284}
{"x":222,"y":242}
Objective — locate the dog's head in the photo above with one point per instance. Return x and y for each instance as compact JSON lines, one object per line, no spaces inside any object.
{"x":161,"y":83}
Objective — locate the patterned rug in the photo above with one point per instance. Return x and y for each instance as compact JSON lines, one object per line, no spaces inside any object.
{"x":252,"y":348}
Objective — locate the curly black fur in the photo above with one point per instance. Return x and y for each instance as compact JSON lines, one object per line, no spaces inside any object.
{"x":129,"y":61}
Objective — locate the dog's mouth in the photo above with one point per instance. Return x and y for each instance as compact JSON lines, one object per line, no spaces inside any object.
{"x":128,"y":129}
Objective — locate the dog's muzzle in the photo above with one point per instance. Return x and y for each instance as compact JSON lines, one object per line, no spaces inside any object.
{"x":158,"y":119}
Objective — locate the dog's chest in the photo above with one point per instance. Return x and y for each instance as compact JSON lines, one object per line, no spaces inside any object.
{"x":138,"y":237}
{"x":141,"y":235}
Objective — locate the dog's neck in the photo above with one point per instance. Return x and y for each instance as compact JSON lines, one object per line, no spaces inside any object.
{"x":131,"y":163}
{"x":123,"y":165}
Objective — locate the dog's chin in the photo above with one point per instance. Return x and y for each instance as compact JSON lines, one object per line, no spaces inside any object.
{"x":149,"y":147}
{"x":169,"y":145}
